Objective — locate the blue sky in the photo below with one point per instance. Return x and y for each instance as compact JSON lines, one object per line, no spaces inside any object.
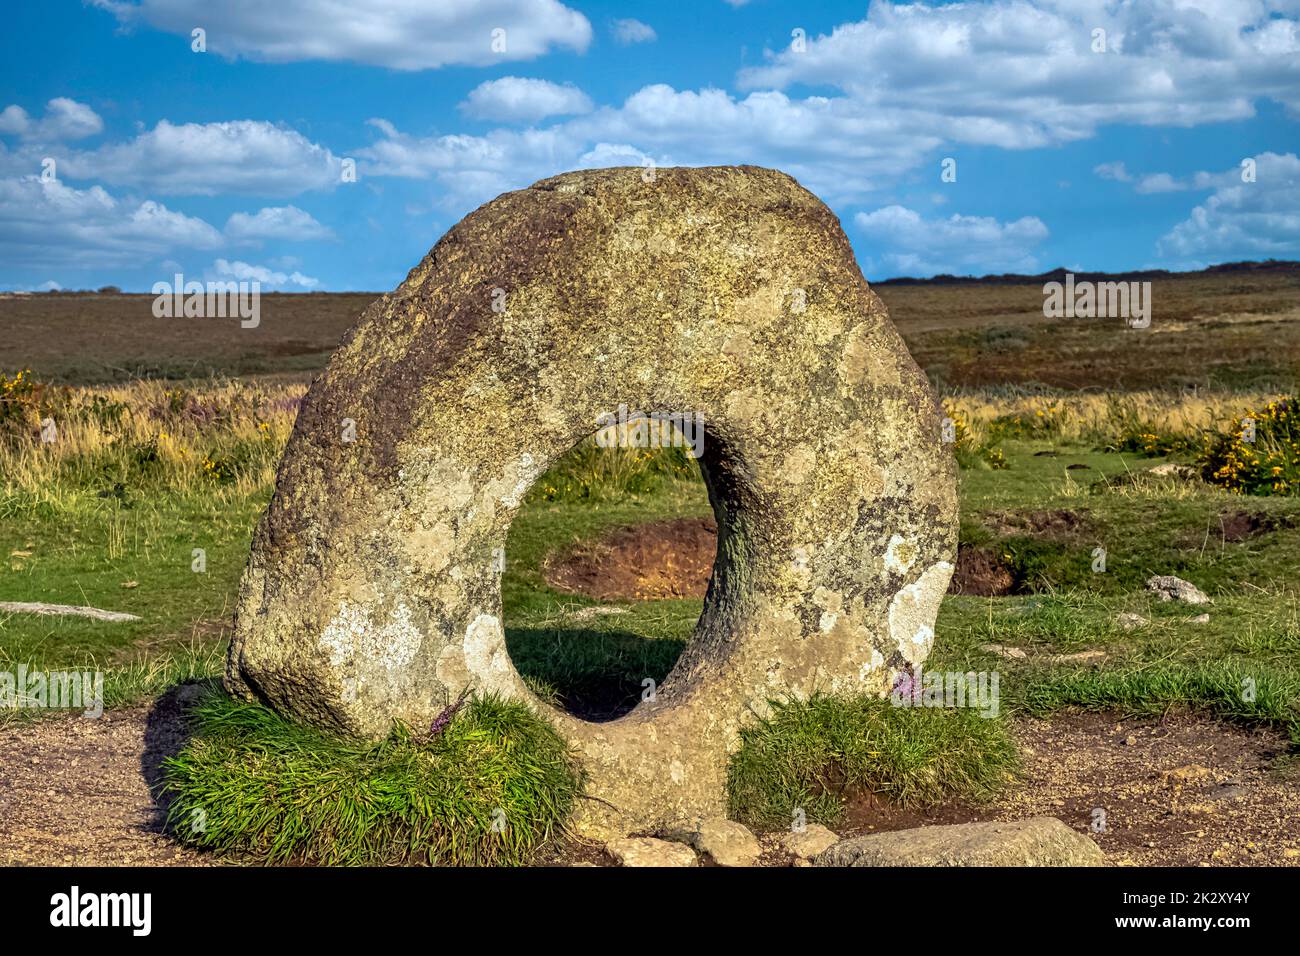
{"x":231,"y":162}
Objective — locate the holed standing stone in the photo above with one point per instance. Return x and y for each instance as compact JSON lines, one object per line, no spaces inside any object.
{"x":373,"y":589}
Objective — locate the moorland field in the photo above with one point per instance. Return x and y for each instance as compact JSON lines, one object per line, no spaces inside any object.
{"x":1073,"y":436}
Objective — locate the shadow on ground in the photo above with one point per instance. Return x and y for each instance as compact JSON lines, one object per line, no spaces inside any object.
{"x":166,"y":733}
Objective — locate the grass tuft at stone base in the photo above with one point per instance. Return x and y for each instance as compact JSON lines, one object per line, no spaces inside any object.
{"x":807,"y":754}
{"x":489,"y":789}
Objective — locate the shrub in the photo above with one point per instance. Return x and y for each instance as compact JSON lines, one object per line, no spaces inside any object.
{"x":1267,"y":465}
{"x":1043,"y":420}
{"x":972,"y":449}
{"x":24,"y":402}
{"x":1132,"y":429}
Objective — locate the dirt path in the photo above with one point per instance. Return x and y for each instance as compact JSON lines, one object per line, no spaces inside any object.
{"x":1184,"y":791}
{"x":76,"y":792}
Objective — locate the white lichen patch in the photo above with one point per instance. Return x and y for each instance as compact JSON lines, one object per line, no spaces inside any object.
{"x":799,"y":464}
{"x":799,"y":563}
{"x":746,"y":405}
{"x":525,"y":472}
{"x":432,"y":547}
{"x":828,"y":600}
{"x":900,"y":554}
{"x":913,"y":610}
{"x":486,"y":657}
{"x":354,"y":639}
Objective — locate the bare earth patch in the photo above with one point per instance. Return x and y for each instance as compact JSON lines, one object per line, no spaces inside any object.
{"x":649,"y":562}
{"x":1056,"y":523}
{"x":981,"y":572}
{"x":76,"y":791}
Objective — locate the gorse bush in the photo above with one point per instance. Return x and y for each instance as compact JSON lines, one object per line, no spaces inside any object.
{"x":24,"y":402}
{"x":489,"y":788}
{"x":1044,"y":420}
{"x":1259,"y":454}
{"x":1133,"y":428}
{"x":971,"y":447}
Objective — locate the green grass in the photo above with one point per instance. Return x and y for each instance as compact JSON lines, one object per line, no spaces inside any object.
{"x":1251,"y":695}
{"x":494,"y":785}
{"x":595,"y":666}
{"x":84,"y":551}
{"x":808,"y":754}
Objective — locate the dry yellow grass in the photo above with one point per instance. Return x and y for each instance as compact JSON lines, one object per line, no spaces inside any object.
{"x":1084,"y":417}
{"x":229,"y":433}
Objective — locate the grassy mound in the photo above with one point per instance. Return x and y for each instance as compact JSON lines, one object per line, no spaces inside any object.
{"x":807,"y":753}
{"x":487,"y":790}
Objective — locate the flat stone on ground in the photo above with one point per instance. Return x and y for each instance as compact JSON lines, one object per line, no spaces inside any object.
{"x":727,"y":842}
{"x":647,"y":851}
{"x":1040,"y":841}
{"x":810,"y":841}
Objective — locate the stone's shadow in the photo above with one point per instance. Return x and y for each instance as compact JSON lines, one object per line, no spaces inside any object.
{"x":597,"y":675}
{"x":166,"y":732}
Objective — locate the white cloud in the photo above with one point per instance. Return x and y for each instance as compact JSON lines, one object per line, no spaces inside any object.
{"x":628,"y":31}
{"x":603,"y":155}
{"x":397,"y":34}
{"x":1009,"y":73}
{"x":836,"y":149}
{"x":241,"y":156}
{"x":1160,"y":182}
{"x":958,"y":244}
{"x":1114,"y":171}
{"x":1017,"y":74}
{"x":64,"y":119}
{"x":51,"y":224}
{"x":276,"y":222}
{"x":1165,"y":183}
{"x":224,"y":269}
{"x":1241,"y":219}
{"x":470,"y":169}
{"x":518,"y":99}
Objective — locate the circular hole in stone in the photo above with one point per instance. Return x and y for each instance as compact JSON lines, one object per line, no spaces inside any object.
{"x":607,"y":564}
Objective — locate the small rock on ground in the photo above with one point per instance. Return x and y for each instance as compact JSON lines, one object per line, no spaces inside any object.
{"x":1171,"y":588}
{"x":1171,"y":469}
{"x":726,"y":842}
{"x":1078,"y":657}
{"x":808,"y":842}
{"x":1041,"y":841}
{"x":647,"y":851}
{"x":1129,"y":621}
